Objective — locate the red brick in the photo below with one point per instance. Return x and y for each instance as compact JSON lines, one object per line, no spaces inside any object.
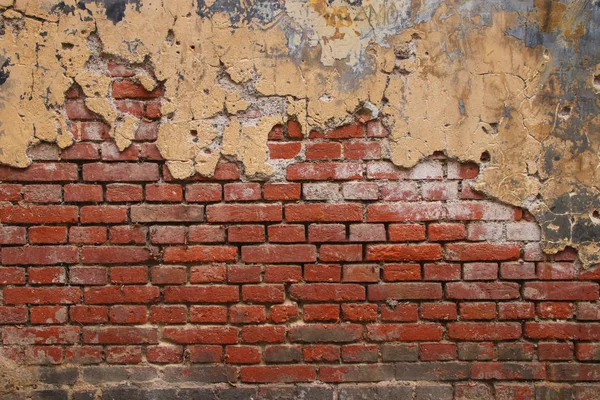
{"x":562,"y":330}
{"x":322,"y":273}
{"x":326,"y":233}
{"x":164,"y":354}
{"x":321,"y":312}
{"x":555,"y":310}
{"x":400,"y":191}
{"x":167,"y":234}
{"x":121,"y":192}
{"x":282,"y":313}
{"x":354,"y":130}
{"x":208,"y":314}
{"x":360,"y":353}
{"x":147,"y":131}
{"x":119,"y":295}
{"x":244,"y":212}
{"x":286,"y":233}
{"x":242,"y":355}
{"x":127,"y":314}
{"x":516,"y":310}
{"x":13,"y":315}
{"x":103,"y":214}
{"x":168,"y":275}
{"x":404,"y":332}
{"x":279,"y":253}
{"x":263,"y":334}
{"x":406,"y":232}
{"x":325,"y":171}
{"x":284,"y":151}
{"x":263,"y":293}
{"x":76,"y":110}
{"x":556,"y":271}
{"x":201,"y":334}
{"x":46,"y":275}
{"x":361,"y":273}
{"x":81,"y":151}
{"x":359,"y":312}
{"x":120,"y":335}
{"x":128,"y":234}
{"x":403,"y":252}
{"x":168,"y":314}
{"x":323,"y":151}
{"x":323,"y":212}
{"x":555,"y":351}
{"x":246,"y":233}
{"x":480,"y":271}
{"x":164,"y":192}
{"x":244,"y":273}
{"x":441,"y":272}
{"x":114,"y":255}
{"x":437,"y":351}
{"x":283,"y":273}
{"x":340,"y":252}
{"x":39,"y":215}
{"x":206,"y":234}
{"x":83,"y":354}
{"x":481,"y":251}
{"x":276,"y":133}
{"x":204,"y":354}
{"x":404,"y":212}
{"x":281,"y":374}
{"x":405,"y":291}
{"x":208,"y":274}
{"x":480,"y":331}
{"x":201,"y":294}
{"x":247,"y":314}
{"x":281,"y":191}
{"x":482,"y":290}
{"x":130,"y":89}
{"x":47,"y":234}
{"x":200,"y":254}
{"x":79,"y":192}
{"x":166,"y":213}
{"x":12,"y":276}
{"x":362,"y":150}
{"x":400,"y":313}
{"x":88,"y":314}
{"x":439,"y":311}
{"x":128,"y":275}
{"x":40,"y":335}
{"x":39,"y":255}
{"x":517,"y":270}
{"x":445,"y":232}
{"x":320,"y":292}
{"x":242,"y":191}
{"x":376,"y":129}
{"x":479,"y":310}
{"x":45,"y":172}
{"x":125,"y":172}
{"x":321,"y":353}
{"x":42,"y":193}
{"x":508,"y":371}
{"x":561,"y":291}
{"x":401,"y":272}
{"x":10,"y":192}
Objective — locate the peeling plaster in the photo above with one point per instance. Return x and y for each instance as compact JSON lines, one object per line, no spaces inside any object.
{"x":515,"y":81}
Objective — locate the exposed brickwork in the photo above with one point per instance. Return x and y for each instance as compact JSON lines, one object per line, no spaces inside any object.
{"x":347,"y":270}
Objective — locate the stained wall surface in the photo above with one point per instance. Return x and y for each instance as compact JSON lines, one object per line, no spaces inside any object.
{"x":318,"y":195}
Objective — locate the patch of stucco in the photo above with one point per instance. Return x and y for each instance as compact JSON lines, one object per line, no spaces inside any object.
{"x":513,"y":84}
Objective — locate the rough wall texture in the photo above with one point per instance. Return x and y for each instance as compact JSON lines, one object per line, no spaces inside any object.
{"x":222,"y":196}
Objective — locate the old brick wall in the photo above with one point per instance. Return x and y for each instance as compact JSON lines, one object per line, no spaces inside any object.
{"x":342,"y":275}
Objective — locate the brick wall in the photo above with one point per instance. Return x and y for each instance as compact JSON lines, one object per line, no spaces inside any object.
{"x":343,"y":272}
